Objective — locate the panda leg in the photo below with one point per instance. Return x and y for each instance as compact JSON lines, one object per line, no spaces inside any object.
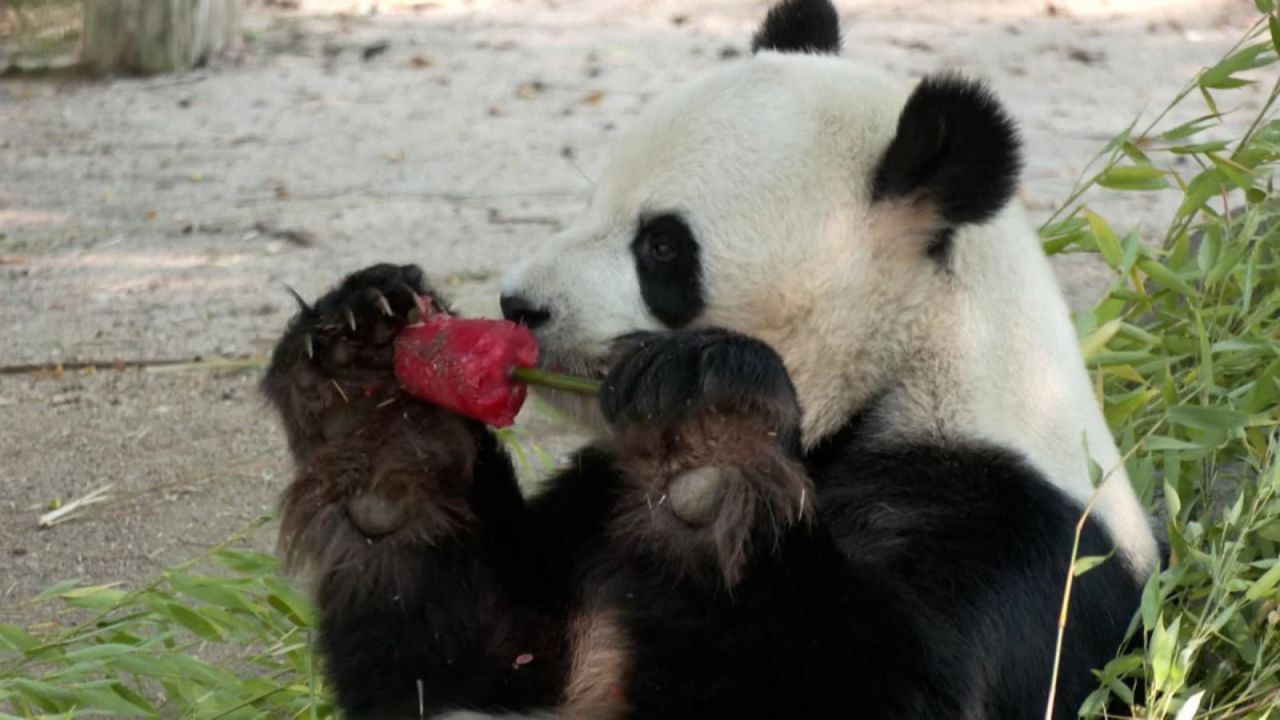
{"x":732,"y":594}
{"x":707,"y":440}
{"x":404,"y":515}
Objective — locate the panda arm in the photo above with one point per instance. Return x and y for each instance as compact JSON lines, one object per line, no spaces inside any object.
{"x":476,"y":618}
{"x":436,"y":584}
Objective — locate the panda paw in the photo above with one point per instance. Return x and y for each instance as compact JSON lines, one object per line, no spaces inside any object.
{"x":369,"y":502}
{"x":707,"y":443}
{"x":333,"y":365}
{"x":352,"y":326}
{"x":668,"y":377}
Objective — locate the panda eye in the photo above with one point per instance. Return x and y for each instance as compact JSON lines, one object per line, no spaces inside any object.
{"x":668,"y":267}
{"x":663,"y":250}
{"x":663,"y":240}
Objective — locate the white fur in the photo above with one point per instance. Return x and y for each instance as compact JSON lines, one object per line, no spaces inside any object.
{"x":769,"y":161}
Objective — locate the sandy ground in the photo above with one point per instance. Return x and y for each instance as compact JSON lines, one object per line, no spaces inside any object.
{"x":139,"y":218}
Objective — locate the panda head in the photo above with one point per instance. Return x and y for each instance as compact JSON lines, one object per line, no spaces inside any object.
{"x":794,"y":196}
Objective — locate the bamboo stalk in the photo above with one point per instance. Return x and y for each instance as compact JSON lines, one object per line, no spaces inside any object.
{"x":557,"y":381}
{"x":147,"y":364}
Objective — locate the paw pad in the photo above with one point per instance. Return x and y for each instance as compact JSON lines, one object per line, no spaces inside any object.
{"x":704,"y":494}
{"x":697,"y":495}
{"x":376,"y":516}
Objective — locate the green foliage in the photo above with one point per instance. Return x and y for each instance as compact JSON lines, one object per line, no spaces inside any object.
{"x":220,"y":636}
{"x":1185,"y":348}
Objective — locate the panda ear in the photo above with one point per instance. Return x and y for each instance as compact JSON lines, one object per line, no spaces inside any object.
{"x":956,"y":149}
{"x":800,"y":26}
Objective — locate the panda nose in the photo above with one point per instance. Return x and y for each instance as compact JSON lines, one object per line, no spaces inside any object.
{"x":518,"y":309}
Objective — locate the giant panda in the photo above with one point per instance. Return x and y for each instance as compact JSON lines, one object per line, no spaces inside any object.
{"x":843,"y":442}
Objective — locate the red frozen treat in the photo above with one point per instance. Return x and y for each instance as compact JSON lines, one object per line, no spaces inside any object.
{"x":465,"y":365}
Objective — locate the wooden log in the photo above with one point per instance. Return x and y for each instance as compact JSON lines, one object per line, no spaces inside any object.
{"x":157,"y":36}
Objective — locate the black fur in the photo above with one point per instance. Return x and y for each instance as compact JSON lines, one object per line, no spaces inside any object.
{"x":955,"y":149}
{"x":669,"y":269}
{"x":498,"y":594}
{"x":519,"y":309}
{"x":800,"y":26}
{"x":346,"y":333}
{"x":663,"y":377}
{"x":978,"y":539}
{"x":805,"y":634}
{"x":862,"y":580}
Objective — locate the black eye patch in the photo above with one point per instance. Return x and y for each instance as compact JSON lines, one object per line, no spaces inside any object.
{"x":669,"y":269}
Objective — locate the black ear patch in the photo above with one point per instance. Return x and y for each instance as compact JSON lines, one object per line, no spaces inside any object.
{"x":800,"y":26}
{"x":956,"y":148}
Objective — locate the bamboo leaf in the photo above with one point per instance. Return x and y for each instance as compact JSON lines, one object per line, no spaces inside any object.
{"x":57,"y":589}
{"x":1151,"y":601}
{"x":1189,"y":708}
{"x":17,"y":638}
{"x":1200,"y":148}
{"x":288,"y":601}
{"x":1239,"y":176}
{"x":48,"y":696}
{"x":1220,"y":76}
{"x":1119,"y":412}
{"x":1098,"y":339}
{"x":1163,"y":646}
{"x":192,"y":621}
{"x":1133,"y":177}
{"x":100,"y":653}
{"x":1172,"y":501}
{"x":97,"y":597}
{"x":1108,"y":243}
{"x":108,"y":700}
{"x":214,"y":591}
{"x":1265,"y":586}
{"x":1191,"y":127}
{"x":1165,"y":277}
{"x":1207,"y":418}
{"x":249,"y":562}
{"x":1207,"y":184}
{"x":1163,"y":443}
{"x":1083,"y":565}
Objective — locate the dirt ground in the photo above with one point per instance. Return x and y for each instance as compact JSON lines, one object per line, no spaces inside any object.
{"x":161,"y":218}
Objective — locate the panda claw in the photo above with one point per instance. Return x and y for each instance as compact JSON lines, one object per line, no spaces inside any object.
{"x":419,"y":300}
{"x":309,"y":346}
{"x":342,"y":393}
{"x":302,"y":304}
{"x":351,"y":318}
{"x":384,"y":305}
